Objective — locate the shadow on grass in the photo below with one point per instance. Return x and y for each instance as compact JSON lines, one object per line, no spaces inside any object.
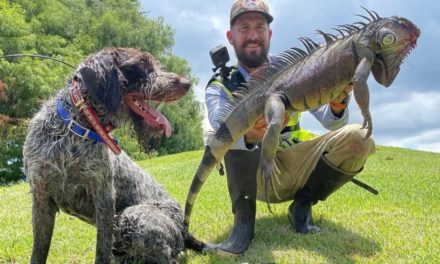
{"x":334,"y":243}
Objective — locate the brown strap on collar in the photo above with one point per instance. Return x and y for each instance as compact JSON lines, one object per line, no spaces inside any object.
{"x":91,"y":117}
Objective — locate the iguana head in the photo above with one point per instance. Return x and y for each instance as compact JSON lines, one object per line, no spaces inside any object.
{"x":392,"y":41}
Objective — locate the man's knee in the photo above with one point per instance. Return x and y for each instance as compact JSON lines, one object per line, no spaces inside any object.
{"x":358,"y":145}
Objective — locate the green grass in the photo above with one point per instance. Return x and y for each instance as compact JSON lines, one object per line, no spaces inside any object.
{"x":400,"y":225}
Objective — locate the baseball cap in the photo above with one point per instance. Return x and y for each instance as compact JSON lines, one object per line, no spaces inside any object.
{"x":240,"y":7}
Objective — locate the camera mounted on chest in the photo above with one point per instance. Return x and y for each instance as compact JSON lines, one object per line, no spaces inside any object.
{"x":230,"y":76}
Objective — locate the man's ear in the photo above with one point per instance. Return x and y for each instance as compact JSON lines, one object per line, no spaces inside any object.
{"x":229,"y":36}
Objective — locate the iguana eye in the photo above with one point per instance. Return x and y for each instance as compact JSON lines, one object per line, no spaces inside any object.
{"x":389,"y":39}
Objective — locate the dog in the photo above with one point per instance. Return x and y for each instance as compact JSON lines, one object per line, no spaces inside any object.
{"x":72,"y":163}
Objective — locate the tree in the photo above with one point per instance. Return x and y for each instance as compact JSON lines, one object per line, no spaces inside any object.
{"x":70,"y":30}
{"x":185,"y":116}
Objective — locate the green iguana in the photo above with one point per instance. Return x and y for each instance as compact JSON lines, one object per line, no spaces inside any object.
{"x":297,"y":80}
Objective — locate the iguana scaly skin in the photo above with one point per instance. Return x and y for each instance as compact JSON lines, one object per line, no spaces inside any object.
{"x":298,"y":80}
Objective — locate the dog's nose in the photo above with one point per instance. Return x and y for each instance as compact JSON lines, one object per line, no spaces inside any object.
{"x":184,"y":84}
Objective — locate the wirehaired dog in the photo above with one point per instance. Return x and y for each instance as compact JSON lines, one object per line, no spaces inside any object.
{"x":73,"y":164}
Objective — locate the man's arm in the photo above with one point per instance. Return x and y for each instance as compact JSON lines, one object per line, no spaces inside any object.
{"x":335,"y":114}
{"x":215,"y":100}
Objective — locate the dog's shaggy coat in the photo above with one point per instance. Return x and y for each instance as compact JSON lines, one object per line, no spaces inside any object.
{"x":136,"y":218}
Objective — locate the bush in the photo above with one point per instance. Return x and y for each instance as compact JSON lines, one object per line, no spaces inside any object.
{"x":11,"y":152}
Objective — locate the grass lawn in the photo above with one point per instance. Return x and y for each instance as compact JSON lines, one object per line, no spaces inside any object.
{"x":400,"y":225}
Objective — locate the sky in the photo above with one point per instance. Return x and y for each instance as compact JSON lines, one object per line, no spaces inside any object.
{"x":407,"y":114}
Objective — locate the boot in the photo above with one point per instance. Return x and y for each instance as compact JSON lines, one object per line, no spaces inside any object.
{"x":324,"y":180}
{"x":241,"y":168}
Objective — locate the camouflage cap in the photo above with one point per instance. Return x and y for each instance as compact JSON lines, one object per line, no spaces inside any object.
{"x":240,"y":7}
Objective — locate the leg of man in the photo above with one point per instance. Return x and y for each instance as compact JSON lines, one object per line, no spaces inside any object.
{"x":241,"y":167}
{"x":323,"y":181}
{"x":312,"y":170}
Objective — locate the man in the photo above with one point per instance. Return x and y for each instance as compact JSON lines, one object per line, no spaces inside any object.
{"x":311,"y":170}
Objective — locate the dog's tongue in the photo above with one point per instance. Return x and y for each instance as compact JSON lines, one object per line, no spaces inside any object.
{"x":161,"y":120}
{"x":150,"y":115}
{"x":157,"y":120}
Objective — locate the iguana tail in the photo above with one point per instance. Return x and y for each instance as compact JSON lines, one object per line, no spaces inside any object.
{"x":206,"y":166}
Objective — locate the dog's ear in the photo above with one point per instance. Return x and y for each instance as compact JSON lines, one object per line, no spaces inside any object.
{"x":105,"y":89}
{"x":112,"y":90}
{"x":90,"y":80}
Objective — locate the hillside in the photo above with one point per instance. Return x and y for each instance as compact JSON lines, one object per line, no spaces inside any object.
{"x":400,"y":225}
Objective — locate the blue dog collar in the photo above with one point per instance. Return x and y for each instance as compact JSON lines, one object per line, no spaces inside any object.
{"x":75,"y":127}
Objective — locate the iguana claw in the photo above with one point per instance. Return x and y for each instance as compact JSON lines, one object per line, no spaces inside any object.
{"x":268,"y":169}
{"x":266,"y":180}
{"x":367,"y":124}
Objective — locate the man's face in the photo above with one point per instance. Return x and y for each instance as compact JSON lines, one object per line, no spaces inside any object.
{"x":250,"y":37}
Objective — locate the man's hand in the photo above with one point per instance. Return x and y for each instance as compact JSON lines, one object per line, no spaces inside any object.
{"x":257,"y":133}
{"x":338,"y":105}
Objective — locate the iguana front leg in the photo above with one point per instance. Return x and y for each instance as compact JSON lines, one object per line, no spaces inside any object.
{"x":362,"y":93}
{"x":274,"y":114}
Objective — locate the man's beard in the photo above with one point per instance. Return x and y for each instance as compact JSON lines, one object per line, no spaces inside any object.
{"x":252,"y":60}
